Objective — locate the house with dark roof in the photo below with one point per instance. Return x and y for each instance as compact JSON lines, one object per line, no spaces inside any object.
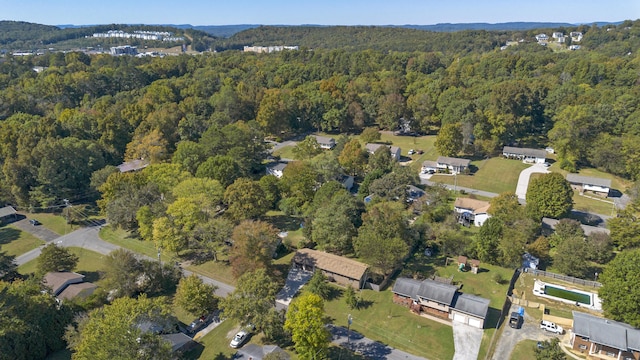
{"x":601,"y":338}
{"x":8,"y":213}
{"x":394,"y":150}
{"x":471,"y":211}
{"x":440,"y":300}
{"x":549,"y":225}
{"x":133,"y":165}
{"x":340,"y":269}
{"x":598,"y":186}
{"x":180,"y":342}
{"x":451,"y":164}
{"x":325,"y":142}
{"x":276,"y":169}
{"x":536,"y":156}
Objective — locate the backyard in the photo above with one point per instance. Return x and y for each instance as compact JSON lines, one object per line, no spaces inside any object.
{"x":393,"y":325}
{"x":90,"y":264}
{"x":15,"y":242}
{"x":524,"y":350}
{"x":495,"y":175}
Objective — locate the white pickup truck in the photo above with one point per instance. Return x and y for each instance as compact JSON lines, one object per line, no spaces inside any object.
{"x":551,"y":327}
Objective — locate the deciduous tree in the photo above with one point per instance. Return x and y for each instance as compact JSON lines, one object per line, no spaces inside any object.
{"x":254,"y":243}
{"x":245,"y":199}
{"x":55,"y":258}
{"x":449,"y":140}
{"x":196,"y":297}
{"x":619,"y":291}
{"x":549,"y":196}
{"x":306,"y":322}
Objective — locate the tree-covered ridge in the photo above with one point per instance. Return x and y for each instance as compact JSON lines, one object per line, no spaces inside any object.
{"x":90,"y":111}
{"x":17,"y":35}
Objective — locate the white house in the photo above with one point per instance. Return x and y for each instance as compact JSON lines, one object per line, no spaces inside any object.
{"x":537,"y":156}
{"x":576,"y":36}
{"x":325,"y":142}
{"x":429,"y":166}
{"x":581,"y":183}
{"x":276,"y":169}
{"x":542,"y":38}
{"x":395,"y":151}
{"x":471,"y":211}
{"x":454,"y":165}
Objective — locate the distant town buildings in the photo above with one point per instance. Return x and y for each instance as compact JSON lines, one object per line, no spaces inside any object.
{"x":269,"y":49}
{"x":123,"y":50}
{"x":139,"y":34}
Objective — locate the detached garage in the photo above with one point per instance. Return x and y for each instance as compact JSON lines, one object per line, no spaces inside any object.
{"x":470,"y":309}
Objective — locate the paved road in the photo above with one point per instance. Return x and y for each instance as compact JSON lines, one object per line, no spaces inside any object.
{"x":89,"y":238}
{"x":277,"y":145}
{"x":370,"y":349}
{"x":525,"y":175}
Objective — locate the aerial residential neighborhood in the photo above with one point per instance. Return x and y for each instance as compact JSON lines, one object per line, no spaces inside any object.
{"x":464,"y":190}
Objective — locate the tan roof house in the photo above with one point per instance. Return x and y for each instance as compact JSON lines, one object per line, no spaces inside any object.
{"x":394,"y":150}
{"x":336,"y":268}
{"x":471,"y":211}
{"x":68,"y":285}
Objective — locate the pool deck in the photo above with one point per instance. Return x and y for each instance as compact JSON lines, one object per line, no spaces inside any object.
{"x":538,"y":290}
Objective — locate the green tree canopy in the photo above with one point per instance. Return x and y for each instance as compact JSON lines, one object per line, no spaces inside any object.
{"x":549,"y":195}
{"x":195,"y":296}
{"x":619,"y":291}
{"x":254,"y":244}
{"x":245,"y":199}
{"x":306,"y":322}
{"x":55,"y":258}
{"x":449,"y":140}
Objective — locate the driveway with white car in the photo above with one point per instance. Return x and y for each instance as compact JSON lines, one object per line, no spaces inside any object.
{"x":525,"y":175}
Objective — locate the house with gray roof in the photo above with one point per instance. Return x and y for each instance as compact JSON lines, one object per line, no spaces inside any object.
{"x":451,"y":164}
{"x":276,"y":169}
{"x":598,"y":186}
{"x":325,"y":142}
{"x":441,"y":300}
{"x":536,"y":156}
{"x":133,"y":165}
{"x":599,"y":338}
{"x":394,"y":150}
{"x":256,"y":352}
{"x":8,"y":213}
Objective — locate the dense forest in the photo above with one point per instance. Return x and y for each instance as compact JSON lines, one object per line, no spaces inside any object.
{"x":200,"y":121}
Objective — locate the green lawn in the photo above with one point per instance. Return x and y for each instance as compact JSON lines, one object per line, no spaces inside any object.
{"x":16,"y":242}
{"x":124,"y":239}
{"x":394,"y":325}
{"x":586,"y":204}
{"x":90,"y":264}
{"x":56,"y":223}
{"x":496,"y":175}
{"x":524,"y":350}
{"x":285,"y":152}
{"x":220,"y":270}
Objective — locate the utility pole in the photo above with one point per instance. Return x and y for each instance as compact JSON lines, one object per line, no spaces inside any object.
{"x":349,"y":321}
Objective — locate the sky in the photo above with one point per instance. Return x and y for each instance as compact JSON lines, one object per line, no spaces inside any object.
{"x":321,"y":12}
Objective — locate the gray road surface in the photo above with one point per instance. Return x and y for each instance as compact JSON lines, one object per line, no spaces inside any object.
{"x":467,"y":341}
{"x":369,"y":348}
{"x":38,"y":231}
{"x":525,"y":175}
{"x":458,"y":188}
{"x":88,"y":238}
{"x":510,"y":337}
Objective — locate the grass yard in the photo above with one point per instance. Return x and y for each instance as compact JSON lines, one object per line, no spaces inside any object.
{"x":496,"y":175}
{"x":285,"y":152}
{"x":124,"y":239}
{"x":220,"y":270}
{"x":524,"y":350}
{"x":54,"y":222}
{"x":585,"y":204}
{"x":394,"y":325}
{"x":16,"y":242}
{"x":90,"y":264}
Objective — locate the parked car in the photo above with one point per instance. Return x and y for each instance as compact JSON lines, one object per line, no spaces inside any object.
{"x":199,"y":323}
{"x":420,"y":152}
{"x":551,"y":327}
{"x":239,"y":339}
{"x":411,"y":152}
{"x":34,"y":222}
{"x":515,"y":320}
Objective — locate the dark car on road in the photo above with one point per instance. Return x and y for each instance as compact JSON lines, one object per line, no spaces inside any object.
{"x":515,"y":320}
{"x":34,"y":222}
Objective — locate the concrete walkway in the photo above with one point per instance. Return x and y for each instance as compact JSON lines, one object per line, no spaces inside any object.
{"x":370,"y":349}
{"x":467,"y":341}
{"x":525,"y":175}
